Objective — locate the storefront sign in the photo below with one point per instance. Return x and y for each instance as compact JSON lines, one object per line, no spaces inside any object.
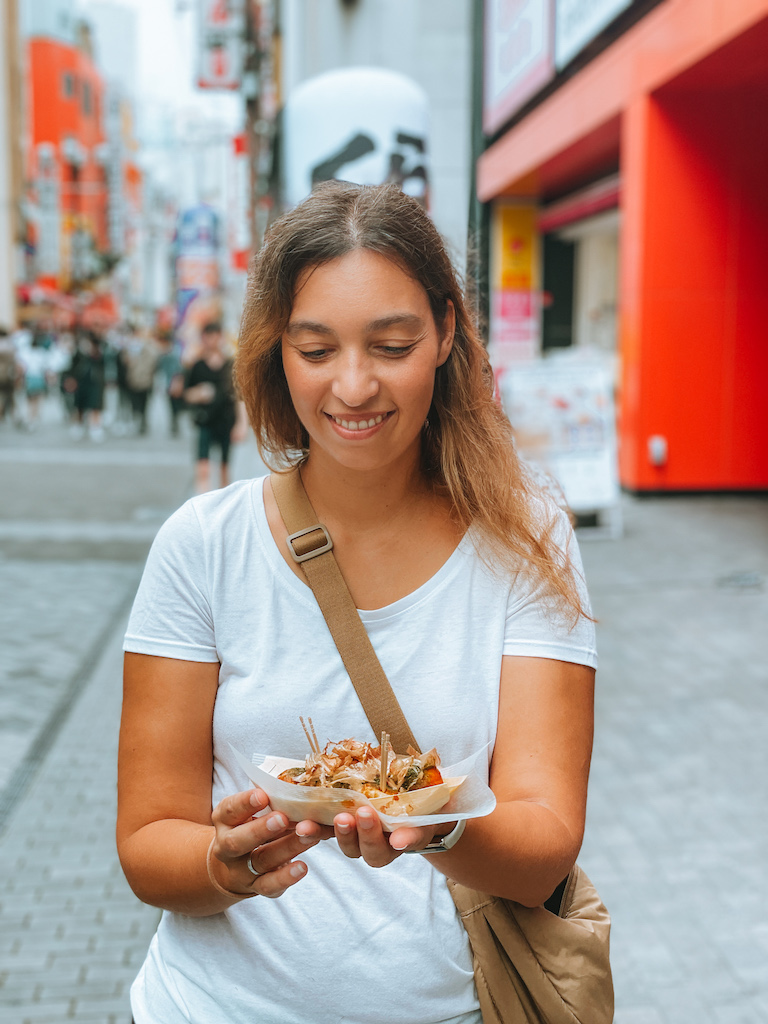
{"x":577,"y":22}
{"x":514,"y":335}
{"x":562,"y":412}
{"x":365,"y":125}
{"x":220,"y":44}
{"x":518,"y":56}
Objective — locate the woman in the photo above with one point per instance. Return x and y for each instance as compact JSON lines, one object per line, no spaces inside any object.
{"x":357,"y":359}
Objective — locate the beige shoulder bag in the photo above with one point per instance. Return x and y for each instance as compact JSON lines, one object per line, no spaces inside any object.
{"x":541,"y":965}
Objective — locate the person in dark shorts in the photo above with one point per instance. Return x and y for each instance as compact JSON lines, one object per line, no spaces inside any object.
{"x":87,"y":371}
{"x":210,"y":392}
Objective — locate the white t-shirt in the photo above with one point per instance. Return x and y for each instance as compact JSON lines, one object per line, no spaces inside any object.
{"x":348,"y":942}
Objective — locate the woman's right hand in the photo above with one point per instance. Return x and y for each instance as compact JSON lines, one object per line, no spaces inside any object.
{"x":271,"y":840}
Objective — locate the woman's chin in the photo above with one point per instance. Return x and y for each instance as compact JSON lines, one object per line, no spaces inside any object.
{"x":362,"y":457}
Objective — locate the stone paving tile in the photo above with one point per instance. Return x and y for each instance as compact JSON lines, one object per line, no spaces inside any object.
{"x":677,"y":831}
{"x":51,"y":615}
{"x":79,"y":933}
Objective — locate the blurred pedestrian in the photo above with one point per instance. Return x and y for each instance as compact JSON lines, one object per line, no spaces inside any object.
{"x":172,"y":372}
{"x":9,"y":372}
{"x":124,"y":416}
{"x":35,"y":361}
{"x":141,"y":357}
{"x":88,"y":373}
{"x":64,"y":362}
{"x":210,"y":390}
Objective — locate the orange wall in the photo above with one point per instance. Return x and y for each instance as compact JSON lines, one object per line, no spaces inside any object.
{"x":694,"y":299}
{"x":682,"y":96}
{"x":54,"y":117}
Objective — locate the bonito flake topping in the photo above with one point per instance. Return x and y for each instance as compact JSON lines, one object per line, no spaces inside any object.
{"x":349,"y":764}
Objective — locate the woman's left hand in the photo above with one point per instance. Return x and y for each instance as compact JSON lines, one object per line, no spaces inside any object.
{"x":361,"y":835}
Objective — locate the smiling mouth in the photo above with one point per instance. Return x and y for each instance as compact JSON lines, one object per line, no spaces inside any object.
{"x":359,"y":423}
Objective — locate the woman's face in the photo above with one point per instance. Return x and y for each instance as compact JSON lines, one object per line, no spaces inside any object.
{"x":360,"y":353}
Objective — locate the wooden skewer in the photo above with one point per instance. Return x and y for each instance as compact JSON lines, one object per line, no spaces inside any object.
{"x":383,"y":771}
{"x":312,"y":743}
{"x":314,"y":735}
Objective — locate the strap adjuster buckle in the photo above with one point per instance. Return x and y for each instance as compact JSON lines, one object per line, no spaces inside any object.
{"x":313,"y":552}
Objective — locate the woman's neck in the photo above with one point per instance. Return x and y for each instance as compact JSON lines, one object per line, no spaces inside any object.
{"x":362,"y":500}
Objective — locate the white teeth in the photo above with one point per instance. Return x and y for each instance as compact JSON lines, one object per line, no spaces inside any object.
{"x":359,"y":424}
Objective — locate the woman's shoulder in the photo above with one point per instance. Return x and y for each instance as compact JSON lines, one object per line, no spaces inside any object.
{"x":225,"y":504}
{"x":225,"y":512}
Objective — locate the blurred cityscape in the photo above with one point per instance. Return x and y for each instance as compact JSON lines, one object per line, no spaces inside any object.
{"x":598,"y":170}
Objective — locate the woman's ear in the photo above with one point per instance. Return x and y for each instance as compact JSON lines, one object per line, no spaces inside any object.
{"x":449,"y":329}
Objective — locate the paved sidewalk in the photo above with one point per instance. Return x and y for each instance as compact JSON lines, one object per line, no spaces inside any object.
{"x":73,"y":935}
{"x":677,"y":831}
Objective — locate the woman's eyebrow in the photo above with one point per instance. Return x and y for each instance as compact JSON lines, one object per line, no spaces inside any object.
{"x":395,"y":320}
{"x":379,"y":324}
{"x":310,"y":326}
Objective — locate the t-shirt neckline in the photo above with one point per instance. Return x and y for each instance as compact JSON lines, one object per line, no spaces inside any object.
{"x":446,"y":571}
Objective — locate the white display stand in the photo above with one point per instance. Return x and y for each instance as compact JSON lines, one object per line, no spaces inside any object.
{"x":563,"y":415}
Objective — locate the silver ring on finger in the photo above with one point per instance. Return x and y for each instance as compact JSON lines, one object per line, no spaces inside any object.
{"x":251,"y":868}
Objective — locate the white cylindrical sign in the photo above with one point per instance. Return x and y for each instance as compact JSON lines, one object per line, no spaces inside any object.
{"x":365,"y":125}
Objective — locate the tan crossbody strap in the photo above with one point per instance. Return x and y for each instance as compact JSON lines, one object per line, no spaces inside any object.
{"x":311,"y":546}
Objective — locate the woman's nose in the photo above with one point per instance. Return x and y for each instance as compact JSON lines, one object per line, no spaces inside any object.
{"x":355,"y":381}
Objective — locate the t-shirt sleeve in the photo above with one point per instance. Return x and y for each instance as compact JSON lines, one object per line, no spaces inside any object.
{"x":536,"y":627}
{"x":171,"y":616}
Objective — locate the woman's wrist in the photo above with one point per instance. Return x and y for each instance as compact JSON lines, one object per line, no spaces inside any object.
{"x":230,"y":894}
{"x":441,"y":843}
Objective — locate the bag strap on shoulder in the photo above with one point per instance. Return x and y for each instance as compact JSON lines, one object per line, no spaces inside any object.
{"x":311,"y":547}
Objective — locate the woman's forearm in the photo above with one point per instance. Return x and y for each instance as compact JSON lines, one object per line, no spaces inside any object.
{"x":521,"y":851}
{"x":165,"y":863}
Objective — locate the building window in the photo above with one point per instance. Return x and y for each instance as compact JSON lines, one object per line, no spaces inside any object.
{"x":87,"y":98}
{"x":68,"y":84}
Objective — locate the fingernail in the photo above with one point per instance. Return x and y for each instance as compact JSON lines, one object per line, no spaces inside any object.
{"x":297,"y":870}
{"x":308,"y":840}
{"x":399,"y":848}
{"x":257,"y":801}
{"x":344,"y":829}
{"x":365,"y":819}
{"x":275,"y":823}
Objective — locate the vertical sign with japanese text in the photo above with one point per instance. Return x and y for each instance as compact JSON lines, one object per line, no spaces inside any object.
{"x":240,"y":204}
{"x":515,"y":332}
{"x":220,"y":54}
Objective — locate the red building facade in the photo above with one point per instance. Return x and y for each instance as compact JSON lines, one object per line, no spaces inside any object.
{"x":665,"y":125}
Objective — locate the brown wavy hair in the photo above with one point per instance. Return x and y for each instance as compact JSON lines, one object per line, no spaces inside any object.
{"x":467,"y":448}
